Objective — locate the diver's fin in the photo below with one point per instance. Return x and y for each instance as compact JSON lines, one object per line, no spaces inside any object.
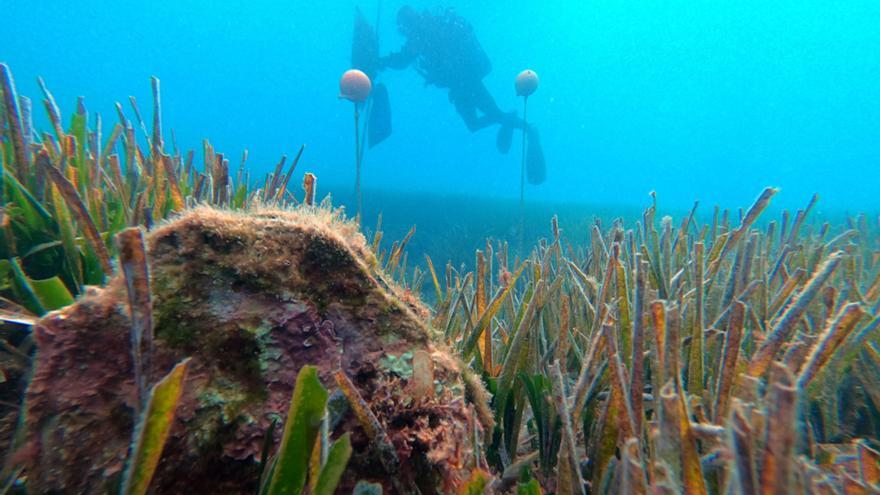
{"x":379,"y":127}
{"x":536,"y":168}
{"x":504,"y":138}
{"x":364,"y":46}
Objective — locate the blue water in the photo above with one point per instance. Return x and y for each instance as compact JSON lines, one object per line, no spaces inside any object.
{"x":695,"y":100}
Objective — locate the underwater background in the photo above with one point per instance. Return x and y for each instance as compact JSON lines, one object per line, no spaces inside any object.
{"x":161,"y":306}
{"x":708,"y":101}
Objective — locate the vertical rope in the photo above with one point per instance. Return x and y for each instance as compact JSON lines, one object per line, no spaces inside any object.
{"x":357,"y":161}
{"x":522,"y":178}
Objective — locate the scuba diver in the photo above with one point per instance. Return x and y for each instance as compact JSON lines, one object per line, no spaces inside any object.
{"x":443,"y":48}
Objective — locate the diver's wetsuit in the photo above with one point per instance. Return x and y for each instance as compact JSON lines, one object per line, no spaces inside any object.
{"x":444,"y":50}
{"x":433,"y":43}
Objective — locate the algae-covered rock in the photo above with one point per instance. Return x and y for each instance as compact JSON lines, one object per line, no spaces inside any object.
{"x":251,"y":298}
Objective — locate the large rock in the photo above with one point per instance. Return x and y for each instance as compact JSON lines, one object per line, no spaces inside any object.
{"x":251,"y":298}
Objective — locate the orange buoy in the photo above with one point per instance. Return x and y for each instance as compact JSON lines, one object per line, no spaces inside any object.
{"x":526,"y":82}
{"x":354,"y":86}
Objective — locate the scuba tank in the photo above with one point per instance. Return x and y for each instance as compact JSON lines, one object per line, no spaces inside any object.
{"x":452,"y":51}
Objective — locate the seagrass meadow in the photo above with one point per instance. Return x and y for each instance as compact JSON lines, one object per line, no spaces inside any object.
{"x":724,"y":352}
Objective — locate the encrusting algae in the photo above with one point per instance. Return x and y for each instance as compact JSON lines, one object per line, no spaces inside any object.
{"x":250,"y":299}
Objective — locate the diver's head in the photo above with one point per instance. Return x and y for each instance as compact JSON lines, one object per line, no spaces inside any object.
{"x":407,"y":20}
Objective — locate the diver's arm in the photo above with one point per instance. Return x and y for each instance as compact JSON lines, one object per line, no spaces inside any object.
{"x":398,"y":60}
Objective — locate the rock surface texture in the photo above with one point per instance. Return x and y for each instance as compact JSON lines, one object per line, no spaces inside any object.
{"x":251,"y":298}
